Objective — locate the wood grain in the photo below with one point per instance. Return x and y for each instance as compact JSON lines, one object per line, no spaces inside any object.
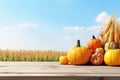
{"x":50,"y":70}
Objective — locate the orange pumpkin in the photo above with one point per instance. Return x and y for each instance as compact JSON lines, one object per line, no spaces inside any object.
{"x":94,"y":43}
{"x":78,"y":54}
{"x":63,"y":60}
{"x":97,"y":58}
{"x":112,"y":57}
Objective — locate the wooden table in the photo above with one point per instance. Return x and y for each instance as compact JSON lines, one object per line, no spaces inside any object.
{"x":55,"y":71}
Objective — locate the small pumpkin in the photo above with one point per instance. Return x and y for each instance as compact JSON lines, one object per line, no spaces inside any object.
{"x":98,"y":50}
{"x":97,"y":58}
{"x":79,"y":54}
{"x":112,"y":57}
{"x":110,"y":45}
{"x":63,"y":60}
{"x":94,"y":43}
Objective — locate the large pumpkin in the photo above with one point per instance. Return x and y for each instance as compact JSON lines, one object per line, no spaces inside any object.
{"x":112,"y":57}
{"x":78,"y":54}
{"x":94,"y":43}
{"x":110,"y":45}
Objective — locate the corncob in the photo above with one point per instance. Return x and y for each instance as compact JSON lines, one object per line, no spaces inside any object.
{"x":116,"y":36}
{"x":119,"y":31}
{"x":108,"y":25}
{"x":111,"y":37}
{"x":106,"y":36}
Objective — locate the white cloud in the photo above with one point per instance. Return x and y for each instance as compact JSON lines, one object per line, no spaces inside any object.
{"x":78,"y":28}
{"x":94,"y":28}
{"x":73,"y":28}
{"x":102,"y":17}
{"x":14,"y":37}
{"x":9,"y":31}
{"x":26,"y":25}
{"x":14,"y":30}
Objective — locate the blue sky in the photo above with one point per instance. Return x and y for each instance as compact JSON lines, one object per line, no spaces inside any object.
{"x":52,"y":24}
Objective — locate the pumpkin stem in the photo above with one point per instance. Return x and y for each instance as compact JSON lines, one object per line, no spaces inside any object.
{"x":93,"y":37}
{"x":78,"y":43}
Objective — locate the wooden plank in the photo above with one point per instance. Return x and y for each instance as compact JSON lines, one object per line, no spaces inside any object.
{"x":54,"y":69}
{"x":57,"y":78}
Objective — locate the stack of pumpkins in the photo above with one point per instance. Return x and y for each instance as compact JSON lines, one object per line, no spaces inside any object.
{"x":96,"y":52}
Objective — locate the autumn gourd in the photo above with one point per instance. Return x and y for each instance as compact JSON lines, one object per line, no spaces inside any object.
{"x":63,"y":60}
{"x":110,"y":45}
{"x":79,"y":54}
{"x":100,"y":50}
{"x":94,"y":43}
{"x":97,"y":58}
{"x":112,"y":57}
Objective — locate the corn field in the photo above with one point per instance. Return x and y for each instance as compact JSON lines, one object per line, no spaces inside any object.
{"x":30,"y":55}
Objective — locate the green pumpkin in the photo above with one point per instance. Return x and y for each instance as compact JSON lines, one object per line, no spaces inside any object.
{"x":110,"y":45}
{"x":99,"y":50}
